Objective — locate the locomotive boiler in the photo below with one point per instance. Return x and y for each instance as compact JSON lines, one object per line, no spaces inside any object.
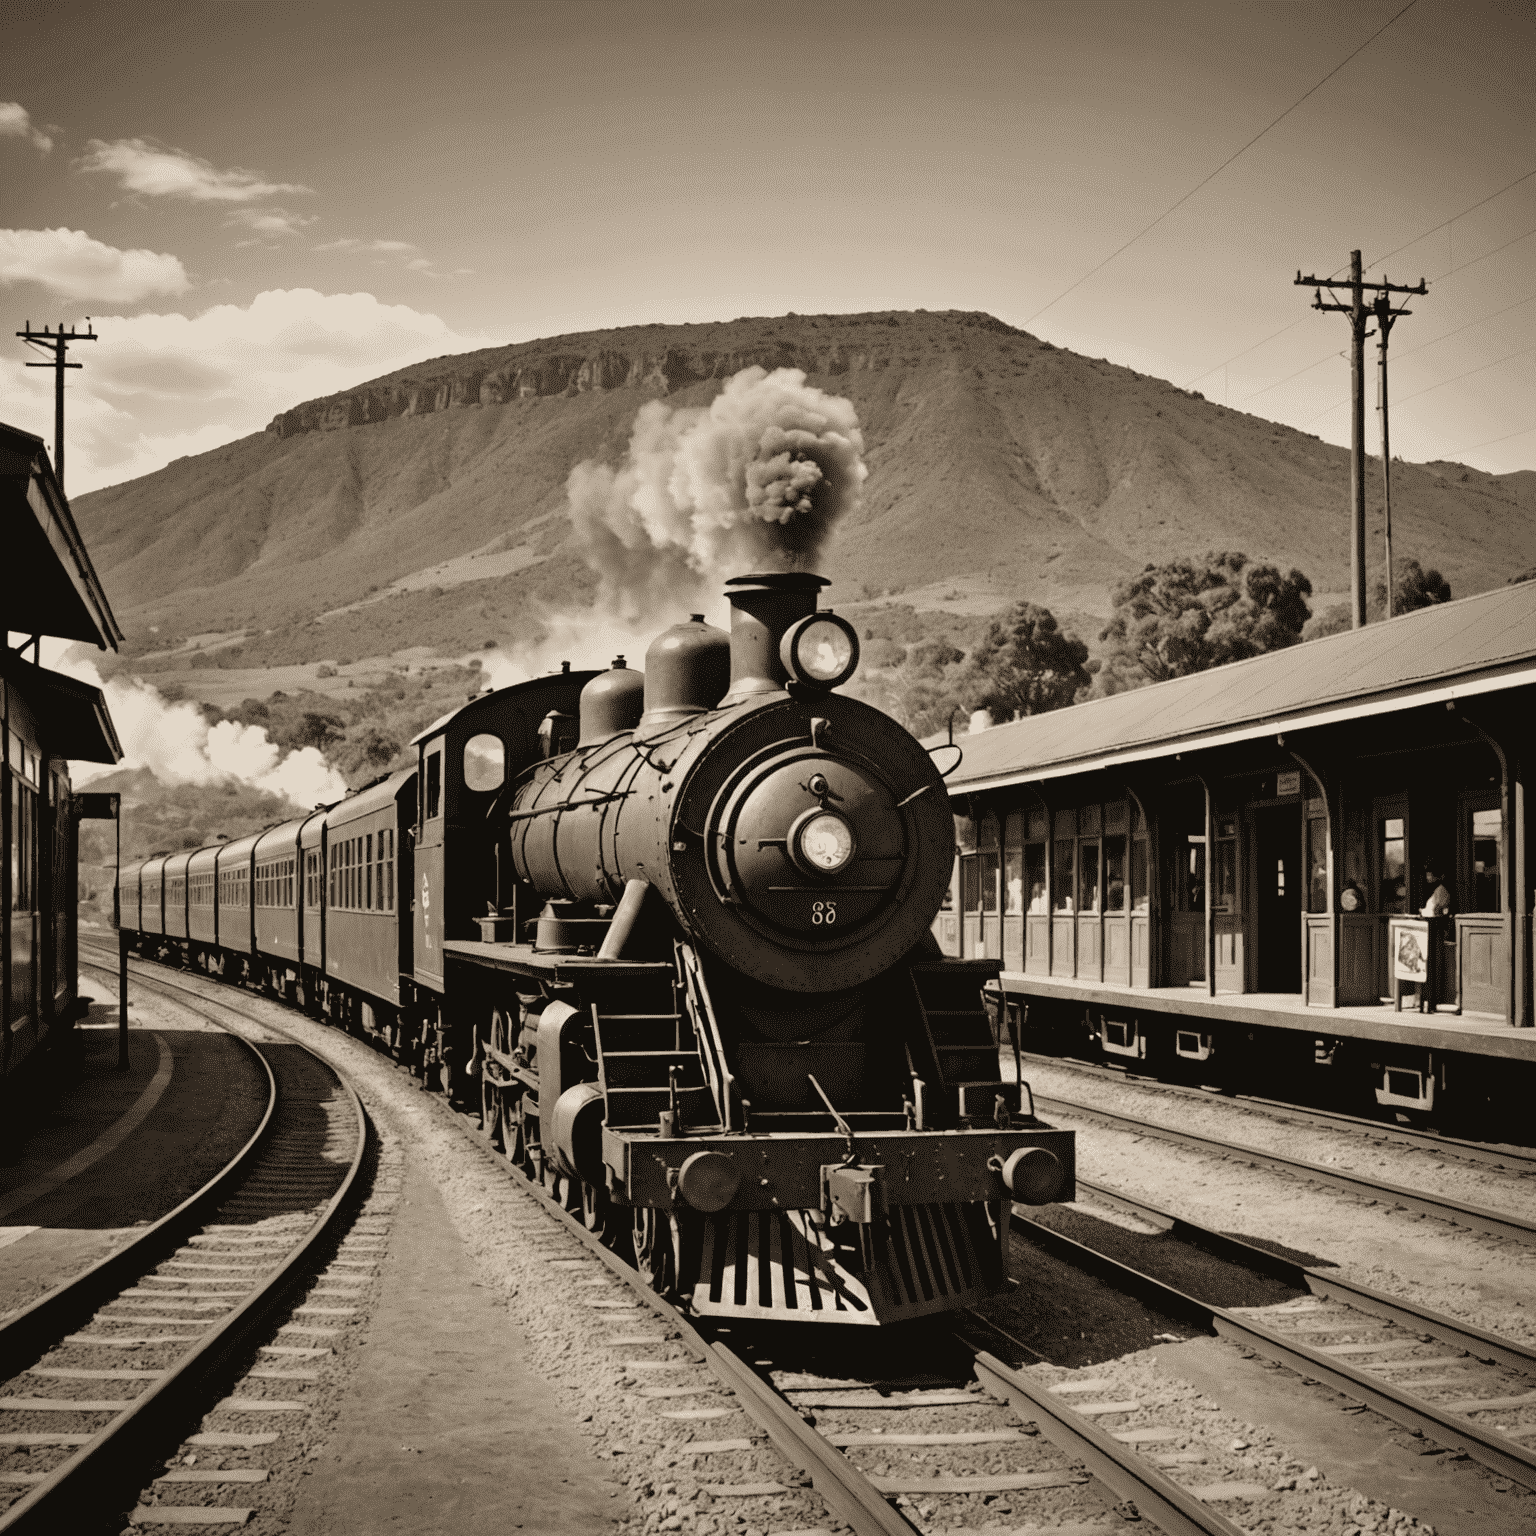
{"x":732,"y":1040}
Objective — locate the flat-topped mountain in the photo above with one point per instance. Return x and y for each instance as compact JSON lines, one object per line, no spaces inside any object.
{"x":428,"y":506}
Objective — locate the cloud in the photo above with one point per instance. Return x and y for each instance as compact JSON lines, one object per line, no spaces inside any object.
{"x":415,"y":261}
{"x":160,"y":386}
{"x":270,"y":221}
{"x":16,"y":123}
{"x":68,"y":262}
{"x":368,"y":247}
{"x":156,"y":170}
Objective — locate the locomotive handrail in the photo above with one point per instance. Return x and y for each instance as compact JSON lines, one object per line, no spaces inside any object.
{"x":570,"y":805}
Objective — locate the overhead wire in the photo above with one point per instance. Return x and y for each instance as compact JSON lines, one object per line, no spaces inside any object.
{"x":1168,"y":212}
{"x":1376,"y":262}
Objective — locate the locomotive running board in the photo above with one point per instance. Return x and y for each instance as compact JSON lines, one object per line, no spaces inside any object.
{"x":781,"y":1264}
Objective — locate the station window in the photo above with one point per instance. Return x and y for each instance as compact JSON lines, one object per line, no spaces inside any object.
{"x":1034,"y":875}
{"x":1191,"y":881}
{"x":1393,"y":864}
{"x":970,"y":883}
{"x":1317,"y":865}
{"x":1224,"y":871}
{"x":1064,"y":868}
{"x":1013,"y":864}
{"x":1487,"y":833}
{"x":1114,"y":873}
{"x":1088,"y":876}
{"x":989,"y":864}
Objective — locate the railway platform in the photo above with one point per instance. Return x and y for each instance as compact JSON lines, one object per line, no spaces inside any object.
{"x":1439,"y":1031}
{"x":114,"y":1151}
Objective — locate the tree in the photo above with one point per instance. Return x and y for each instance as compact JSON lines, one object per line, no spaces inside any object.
{"x":1025,"y":665}
{"x":313,"y":729}
{"x":1187,"y":615}
{"x":1413,"y":587}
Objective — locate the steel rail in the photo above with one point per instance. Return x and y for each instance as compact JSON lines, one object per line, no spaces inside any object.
{"x":1157,"y":1498}
{"x":102,"y":1471}
{"x":1455,"y":1431}
{"x":846,"y":1490}
{"x":28,"y":1334}
{"x":1487,"y":1154}
{"x":1482,"y":1345}
{"x":1474,"y":1217}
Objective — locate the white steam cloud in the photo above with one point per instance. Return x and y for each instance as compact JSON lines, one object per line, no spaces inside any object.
{"x":755,"y":481}
{"x":178,"y":746}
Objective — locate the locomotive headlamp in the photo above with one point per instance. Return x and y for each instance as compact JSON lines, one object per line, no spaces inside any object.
{"x":821,"y":843}
{"x":820,"y":650}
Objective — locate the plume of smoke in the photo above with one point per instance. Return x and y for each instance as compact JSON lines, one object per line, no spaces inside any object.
{"x":755,"y":481}
{"x":178,"y":746}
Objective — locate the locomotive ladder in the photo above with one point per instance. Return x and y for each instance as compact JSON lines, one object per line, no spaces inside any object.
{"x":640,"y":1055}
{"x":958,"y":1034}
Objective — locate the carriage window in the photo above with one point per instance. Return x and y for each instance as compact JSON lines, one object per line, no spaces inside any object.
{"x":368,"y":873}
{"x":1066,"y":870}
{"x":485,"y":762}
{"x":1088,"y":877}
{"x":1487,"y":833}
{"x":434,"y":785}
{"x":1114,"y":874}
{"x":1394,"y":882}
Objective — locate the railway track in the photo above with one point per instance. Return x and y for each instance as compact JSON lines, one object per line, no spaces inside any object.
{"x":1501,"y":1155}
{"x":1473,"y":1217}
{"x":978,"y":1426}
{"x":104,"y":1372}
{"x":1420,"y":1369}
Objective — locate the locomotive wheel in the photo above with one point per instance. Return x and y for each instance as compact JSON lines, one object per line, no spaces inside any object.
{"x":654,"y":1255}
{"x":490,"y":1111}
{"x":514,"y":1138}
{"x":596,"y":1211}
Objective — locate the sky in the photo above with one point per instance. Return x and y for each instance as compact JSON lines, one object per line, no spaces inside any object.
{"x":257,"y":204}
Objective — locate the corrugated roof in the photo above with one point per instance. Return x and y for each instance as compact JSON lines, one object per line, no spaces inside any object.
{"x":1474,"y":641}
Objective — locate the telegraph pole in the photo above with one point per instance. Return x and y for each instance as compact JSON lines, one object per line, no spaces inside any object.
{"x":58,"y":342}
{"x":1386,"y":316}
{"x":1359,"y":318}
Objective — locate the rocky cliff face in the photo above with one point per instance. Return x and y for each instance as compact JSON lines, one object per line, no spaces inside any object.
{"x":577,"y":365}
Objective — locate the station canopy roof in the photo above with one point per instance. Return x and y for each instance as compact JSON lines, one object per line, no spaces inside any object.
{"x":72,"y":716}
{"x":1473,"y":646}
{"x":48,"y":585}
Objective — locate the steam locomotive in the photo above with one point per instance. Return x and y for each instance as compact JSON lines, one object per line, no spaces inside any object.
{"x":674,"y":928}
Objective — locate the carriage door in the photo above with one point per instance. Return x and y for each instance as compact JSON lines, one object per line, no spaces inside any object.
{"x":427,"y":926}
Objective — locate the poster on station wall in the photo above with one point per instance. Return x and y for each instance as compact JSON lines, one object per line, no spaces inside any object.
{"x":1409,"y":941}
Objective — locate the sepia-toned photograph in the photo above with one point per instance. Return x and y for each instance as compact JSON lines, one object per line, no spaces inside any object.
{"x":765,"y":770}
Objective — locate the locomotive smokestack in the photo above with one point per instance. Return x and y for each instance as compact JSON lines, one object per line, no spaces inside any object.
{"x":762,"y":608}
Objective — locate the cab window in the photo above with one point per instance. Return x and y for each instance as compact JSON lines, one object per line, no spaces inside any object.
{"x":485,"y":762}
{"x":432,"y":790}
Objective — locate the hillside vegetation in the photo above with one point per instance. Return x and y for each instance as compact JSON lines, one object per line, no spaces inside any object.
{"x":427,"y":508}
